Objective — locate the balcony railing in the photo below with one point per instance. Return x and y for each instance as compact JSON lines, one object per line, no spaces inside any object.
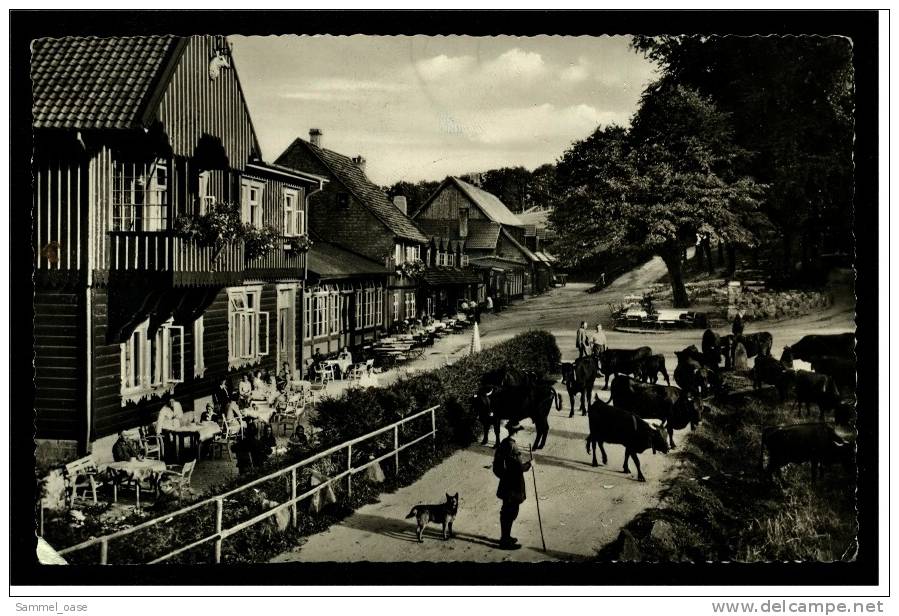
{"x":280,"y":262}
{"x":165,"y":252}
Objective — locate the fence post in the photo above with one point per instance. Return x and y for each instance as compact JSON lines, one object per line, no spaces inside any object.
{"x":219,"y":505}
{"x":396,"y":449}
{"x":293,"y":495}
{"x":349,"y":467}
{"x":104,"y":551}
{"x":434,"y":429}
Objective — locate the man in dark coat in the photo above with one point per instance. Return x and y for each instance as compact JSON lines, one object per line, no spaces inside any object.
{"x":510,"y":468}
{"x":580,"y":339}
{"x":737,"y":327}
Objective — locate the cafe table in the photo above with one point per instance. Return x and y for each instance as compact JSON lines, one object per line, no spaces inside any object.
{"x":137,"y":471}
{"x":190,"y":437}
{"x":260,"y":410}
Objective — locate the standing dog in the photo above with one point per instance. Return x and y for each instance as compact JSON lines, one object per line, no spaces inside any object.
{"x":443,"y":513}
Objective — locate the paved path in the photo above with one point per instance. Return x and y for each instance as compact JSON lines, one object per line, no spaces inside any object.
{"x":582,"y":507}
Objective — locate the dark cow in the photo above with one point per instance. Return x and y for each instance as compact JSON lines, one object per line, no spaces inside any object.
{"x":579,"y":378}
{"x":756,"y":345}
{"x":768,"y":370}
{"x":714,"y":348}
{"x":515,"y":403}
{"x":674,"y":407}
{"x":649,"y":367}
{"x":814,"y":388}
{"x":819,"y":345}
{"x":816,"y":443}
{"x":840,"y":369}
{"x":690,"y":374}
{"x":609,"y":424}
{"x":622,"y":361}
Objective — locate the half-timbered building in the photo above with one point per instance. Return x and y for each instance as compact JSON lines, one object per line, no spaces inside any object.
{"x":133,"y":138}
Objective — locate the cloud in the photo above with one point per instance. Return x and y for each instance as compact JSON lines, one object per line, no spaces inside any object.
{"x":442,"y":66}
{"x":538,"y":123}
{"x":342,"y":89}
{"x":575,"y":73}
{"x":515,"y":64}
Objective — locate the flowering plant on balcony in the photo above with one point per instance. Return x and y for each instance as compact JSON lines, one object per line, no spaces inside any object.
{"x":218,"y":225}
{"x":298,"y":244}
{"x":258,"y":241}
{"x":413,"y":268}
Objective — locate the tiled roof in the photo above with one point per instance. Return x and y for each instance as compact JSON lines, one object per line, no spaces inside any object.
{"x":524,"y":250}
{"x":326,"y":260}
{"x":496,"y":261}
{"x":534,"y":216}
{"x":450,"y":275}
{"x":489,"y":203}
{"x":92,"y":82}
{"x":482,"y":234}
{"x":370,"y":195}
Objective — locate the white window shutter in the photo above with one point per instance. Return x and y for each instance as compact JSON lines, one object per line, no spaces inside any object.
{"x":175,"y":349}
{"x":263,"y":333}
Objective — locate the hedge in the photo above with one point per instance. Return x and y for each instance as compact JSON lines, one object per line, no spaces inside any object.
{"x":357,"y":412}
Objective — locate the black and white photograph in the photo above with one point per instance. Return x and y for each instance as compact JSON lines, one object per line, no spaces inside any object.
{"x":323,"y":298}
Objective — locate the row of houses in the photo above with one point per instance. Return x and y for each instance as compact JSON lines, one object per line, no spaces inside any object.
{"x":139,"y":142}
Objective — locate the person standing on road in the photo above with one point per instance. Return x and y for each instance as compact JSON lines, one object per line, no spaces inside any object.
{"x":489,"y":303}
{"x":580,"y":339}
{"x":509,"y":468}
{"x":737,"y":327}
{"x":599,"y":342}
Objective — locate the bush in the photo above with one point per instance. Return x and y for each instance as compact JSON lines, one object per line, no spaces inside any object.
{"x":357,"y":412}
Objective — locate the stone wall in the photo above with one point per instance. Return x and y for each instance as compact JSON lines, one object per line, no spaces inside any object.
{"x":761,"y":304}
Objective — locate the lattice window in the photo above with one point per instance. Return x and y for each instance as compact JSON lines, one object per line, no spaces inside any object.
{"x":140,"y":195}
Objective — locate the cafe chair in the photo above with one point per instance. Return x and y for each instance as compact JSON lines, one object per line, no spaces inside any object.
{"x":152,"y":444}
{"x":82,"y":474}
{"x":178,"y":479}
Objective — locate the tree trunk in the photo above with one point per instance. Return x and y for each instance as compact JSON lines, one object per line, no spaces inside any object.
{"x":707,"y":251}
{"x":720,"y":254}
{"x":676,"y":273}
{"x":731,"y":260}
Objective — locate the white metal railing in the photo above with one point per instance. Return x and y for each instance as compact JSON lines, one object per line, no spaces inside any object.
{"x":221,"y":533}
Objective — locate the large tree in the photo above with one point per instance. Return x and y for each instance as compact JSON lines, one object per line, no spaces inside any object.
{"x":660,"y":186}
{"x":790,"y":100}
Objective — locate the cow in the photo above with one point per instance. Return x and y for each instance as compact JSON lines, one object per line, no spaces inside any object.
{"x":714,"y":347}
{"x":690,"y":374}
{"x":768,"y":370}
{"x":609,"y":424}
{"x":840,"y":369}
{"x":820,"y":345}
{"x":814,"y":388}
{"x":579,"y":378}
{"x":621,"y":361}
{"x":674,"y":407}
{"x":756,"y":345}
{"x":649,"y":367}
{"x":816,"y":443}
{"x":514,"y":403}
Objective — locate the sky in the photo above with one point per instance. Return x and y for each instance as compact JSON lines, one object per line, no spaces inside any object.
{"x":421,"y":108}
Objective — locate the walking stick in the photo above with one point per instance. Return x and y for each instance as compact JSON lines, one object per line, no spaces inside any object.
{"x":537,"y":498}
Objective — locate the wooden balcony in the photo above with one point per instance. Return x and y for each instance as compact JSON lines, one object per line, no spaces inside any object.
{"x":166,"y":254}
{"x":278,"y":264}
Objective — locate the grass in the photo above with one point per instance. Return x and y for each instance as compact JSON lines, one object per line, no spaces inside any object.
{"x":721,"y":506}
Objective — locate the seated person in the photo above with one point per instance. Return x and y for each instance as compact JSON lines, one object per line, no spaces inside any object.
{"x":245,"y":388}
{"x":234,"y":418}
{"x":166,"y":418}
{"x":178,"y":413}
{"x":299,"y":439}
{"x":284,"y":377}
{"x":265,"y":443}
{"x":125,"y":449}
{"x":210,"y":415}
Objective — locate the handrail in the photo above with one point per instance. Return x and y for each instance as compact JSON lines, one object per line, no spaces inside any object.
{"x":219,"y":499}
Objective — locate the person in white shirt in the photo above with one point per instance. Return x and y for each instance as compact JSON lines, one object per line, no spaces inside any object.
{"x":166,"y":418}
{"x":598,"y":340}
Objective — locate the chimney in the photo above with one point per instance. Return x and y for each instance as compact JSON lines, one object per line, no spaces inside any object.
{"x":360,"y":162}
{"x":400,"y":202}
{"x":315,"y":137}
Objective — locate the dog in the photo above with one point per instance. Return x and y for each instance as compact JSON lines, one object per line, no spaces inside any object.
{"x":443,"y":513}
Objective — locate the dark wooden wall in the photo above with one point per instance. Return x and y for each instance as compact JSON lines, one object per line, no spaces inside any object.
{"x":445,"y":206}
{"x":60,"y":207}
{"x":59,"y":363}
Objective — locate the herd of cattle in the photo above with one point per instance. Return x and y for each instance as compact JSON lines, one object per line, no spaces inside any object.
{"x":637,"y":396}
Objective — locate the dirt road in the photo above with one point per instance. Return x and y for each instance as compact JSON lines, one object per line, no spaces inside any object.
{"x":582,"y":507}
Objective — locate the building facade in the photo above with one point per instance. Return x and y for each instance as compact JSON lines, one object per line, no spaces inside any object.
{"x":137,"y":142}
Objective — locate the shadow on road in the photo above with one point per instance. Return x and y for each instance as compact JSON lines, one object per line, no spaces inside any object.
{"x":404,"y":530}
